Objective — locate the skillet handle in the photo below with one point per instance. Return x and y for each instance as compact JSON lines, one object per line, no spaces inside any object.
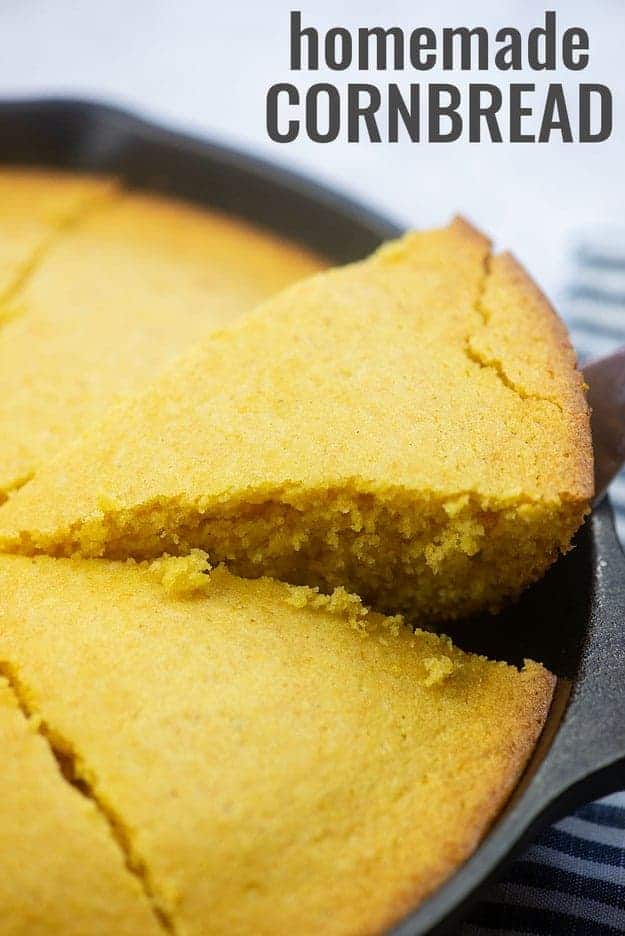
{"x":587,"y":759}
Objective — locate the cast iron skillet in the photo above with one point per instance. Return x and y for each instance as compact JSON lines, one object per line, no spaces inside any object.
{"x":573,"y":621}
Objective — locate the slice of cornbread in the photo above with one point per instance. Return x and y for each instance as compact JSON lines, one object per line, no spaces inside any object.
{"x":119,"y":295}
{"x":34,"y":207}
{"x":276,"y":761}
{"x":412,"y":427}
{"x":61,"y":872}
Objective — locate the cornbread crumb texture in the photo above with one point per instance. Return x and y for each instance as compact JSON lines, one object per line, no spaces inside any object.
{"x":182,"y":576}
{"x":411,"y":428}
{"x":273,"y":768}
{"x":62,"y":873}
{"x":128,"y":285}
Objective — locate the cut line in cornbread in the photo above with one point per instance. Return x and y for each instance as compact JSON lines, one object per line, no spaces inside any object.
{"x":35,"y":207}
{"x":62,"y":873}
{"x":116,"y":296}
{"x":412,"y":428}
{"x":276,"y":761}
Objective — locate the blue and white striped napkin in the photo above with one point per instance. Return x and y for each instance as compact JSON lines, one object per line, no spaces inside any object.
{"x":571,"y":880}
{"x":594,"y":309}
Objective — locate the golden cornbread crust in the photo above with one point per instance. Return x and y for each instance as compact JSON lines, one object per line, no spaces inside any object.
{"x":548,"y":367}
{"x":101,"y":287}
{"x":35,"y":208}
{"x":62,"y":872}
{"x":275,"y":761}
{"x":412,"y":428}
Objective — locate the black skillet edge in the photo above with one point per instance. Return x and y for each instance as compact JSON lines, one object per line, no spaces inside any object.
{"x":95,"y":137}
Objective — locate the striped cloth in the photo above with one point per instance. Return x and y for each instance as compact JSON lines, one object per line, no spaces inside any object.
{"x":571,"y":881}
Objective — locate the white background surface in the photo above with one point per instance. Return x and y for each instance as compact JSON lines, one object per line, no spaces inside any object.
{"x":206,"y":66}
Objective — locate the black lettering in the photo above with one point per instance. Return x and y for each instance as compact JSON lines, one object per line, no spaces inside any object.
{"x":465,"y":35}
{"x":555,"y":116}
{"x":510,"y":55}
{"x":273,"y":130}
{"x":312,"y":113}
{"x":356,"y":111}
{"x":437,"y":110}
{"x":547,"y":38}
{"x":477,"y":111}
{"x":297,"y":34}
{"x":409,"y":114}
{"x":422,"y":40}
{"x":517,"y":112}
{"x":586,"y":134}
{"x":381,"y":37}
{"x":343,"y":59}
{"x":575,"y":40}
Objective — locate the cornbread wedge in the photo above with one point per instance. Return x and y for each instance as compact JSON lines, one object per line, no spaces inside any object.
{"x":276,"y":761}
{"x":113,"y":299}
{"x":62,"y":872}
{"x":412,"y":427}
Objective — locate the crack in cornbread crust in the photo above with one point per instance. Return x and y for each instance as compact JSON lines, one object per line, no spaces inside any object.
{"x":78,"y":775}
{"x":505,"y":284}
{"x":54,"y":204}
{"x":373,"y":376}
{"x":86,"y":195}
{"x":305,"y":750}
{"x":62,"y":875}
{"x":482,"y":358}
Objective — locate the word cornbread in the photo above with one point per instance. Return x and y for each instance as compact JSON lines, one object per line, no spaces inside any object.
{"x":412,"y":428}
{"x":269,"y":759}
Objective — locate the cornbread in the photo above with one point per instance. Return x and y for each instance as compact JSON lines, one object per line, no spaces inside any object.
{"x":61,"y":870}
{"x":412,"y":428}
{"x":130,"y":284}
{"x":274,"y":761}
{"x":35,"y":208}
